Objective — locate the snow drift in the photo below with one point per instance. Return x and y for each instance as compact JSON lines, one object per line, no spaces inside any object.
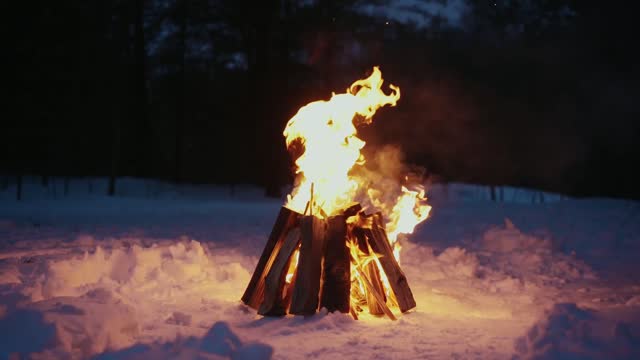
{"x":160,"y":276}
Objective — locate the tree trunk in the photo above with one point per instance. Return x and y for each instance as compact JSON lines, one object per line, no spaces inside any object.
{"x":140,"y":87}
{"x":260,"y":100}
{"x":45,"y":161}
{"x":66,"y":185}
{"x":181,"y":96}
{"x":19,"y":187}
{"x":115,"y":156}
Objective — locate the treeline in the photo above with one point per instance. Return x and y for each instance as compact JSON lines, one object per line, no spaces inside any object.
{"x":540,"y":94}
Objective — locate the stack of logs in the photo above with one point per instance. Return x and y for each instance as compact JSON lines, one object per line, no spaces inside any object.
{"x":322,"y":274}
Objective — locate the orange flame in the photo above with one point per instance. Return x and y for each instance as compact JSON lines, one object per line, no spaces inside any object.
{"x":293,"y":265}
{"x":409,"y":210}
{"x":325,"y":182}
{"x":331,"y":145}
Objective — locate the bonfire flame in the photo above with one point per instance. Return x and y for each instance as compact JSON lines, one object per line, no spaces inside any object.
{"x":409,"y":210}
{"x":325,"y":183}
{"x":328,"y":133}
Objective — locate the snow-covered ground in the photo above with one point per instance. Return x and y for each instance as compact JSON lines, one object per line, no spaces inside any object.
{"x":157,"y":272}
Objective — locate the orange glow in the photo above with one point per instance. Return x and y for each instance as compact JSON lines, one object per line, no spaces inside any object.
{"x":359,"y":260}
{"x":326,"y":183}
{"x":331,"y":145}
{"x":292,"y":265}
{"x":409,"y":210}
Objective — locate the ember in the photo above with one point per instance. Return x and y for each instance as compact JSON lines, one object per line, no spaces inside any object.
{"x":335,"y":242}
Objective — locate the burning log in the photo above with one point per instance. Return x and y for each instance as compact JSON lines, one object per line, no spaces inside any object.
{"x":322,"y":253}
{"x":375,"y":296}
{"x":307,"y":264}
{"x":397,"y":280}
{"x":308,"y":274}
{"x":285,"y":221}
{"x":336,"y":279}
{"x":370,"y":270}
{"x":375,"y":293}
{"x":273,"y":303}
{"x":376,"y":307}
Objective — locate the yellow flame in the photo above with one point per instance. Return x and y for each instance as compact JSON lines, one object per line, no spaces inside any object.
{"x":325,"y":184}
{"x":359,"y":259}
{"x":292,"y":265}
{"x":328,"y":133}
{"x":409,"y":210}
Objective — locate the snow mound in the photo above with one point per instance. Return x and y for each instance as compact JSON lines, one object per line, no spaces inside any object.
{"x":104,"y":299}
{"x":9,"y":275}
{"x":159,"y":271}
{"x":509,"y":238}
{"x":452,"y":263}
{"x":569,"y":332}
{"x":69,"y":327}
{"x":24,"y":331}
{"x":220,"y":342}
{"x":529,"y":258}
{"x":455,"y":283}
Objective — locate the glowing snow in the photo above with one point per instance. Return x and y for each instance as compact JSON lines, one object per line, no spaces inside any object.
{"x":120,"y":279}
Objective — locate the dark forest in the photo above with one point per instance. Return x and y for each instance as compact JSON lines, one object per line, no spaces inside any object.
{"x":540,"y":94}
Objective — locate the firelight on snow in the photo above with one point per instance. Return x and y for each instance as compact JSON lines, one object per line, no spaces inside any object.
{"x":335,"y":241}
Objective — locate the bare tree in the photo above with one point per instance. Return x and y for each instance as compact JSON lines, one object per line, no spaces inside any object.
{"x":139,"y":77}
{"x":182,"y":15}
{"x":19,"y":187}
{"x":115,"y":156}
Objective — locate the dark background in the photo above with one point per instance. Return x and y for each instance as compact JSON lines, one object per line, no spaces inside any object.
{"x":528,"y":93}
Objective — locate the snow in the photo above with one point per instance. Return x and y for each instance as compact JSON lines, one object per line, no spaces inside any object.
{"x":569,"y":332}
{"x":157,"y":272}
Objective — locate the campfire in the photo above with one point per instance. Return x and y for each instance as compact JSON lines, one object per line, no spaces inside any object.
{"x":334,"y":244}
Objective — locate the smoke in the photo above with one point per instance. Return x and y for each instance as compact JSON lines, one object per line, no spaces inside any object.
{"x":382,"y":178}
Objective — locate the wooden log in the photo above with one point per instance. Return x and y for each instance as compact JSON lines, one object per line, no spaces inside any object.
{"x":308,"y":273}
{"x":371,"y":271}
{"x":397,"y":279}
{"x":336,"y":278}
{"x":289,"y":291}
{"x":375,"y":308}
{"x":352,"y":210}
{"x":354,"y":313}
{"x":273,"y":303}
{"x":286,"y":220}
{"x":370,"y":288}
{"x":375,"y":293}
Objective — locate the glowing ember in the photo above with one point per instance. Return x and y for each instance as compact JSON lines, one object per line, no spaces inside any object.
{"x":292,"y":266}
